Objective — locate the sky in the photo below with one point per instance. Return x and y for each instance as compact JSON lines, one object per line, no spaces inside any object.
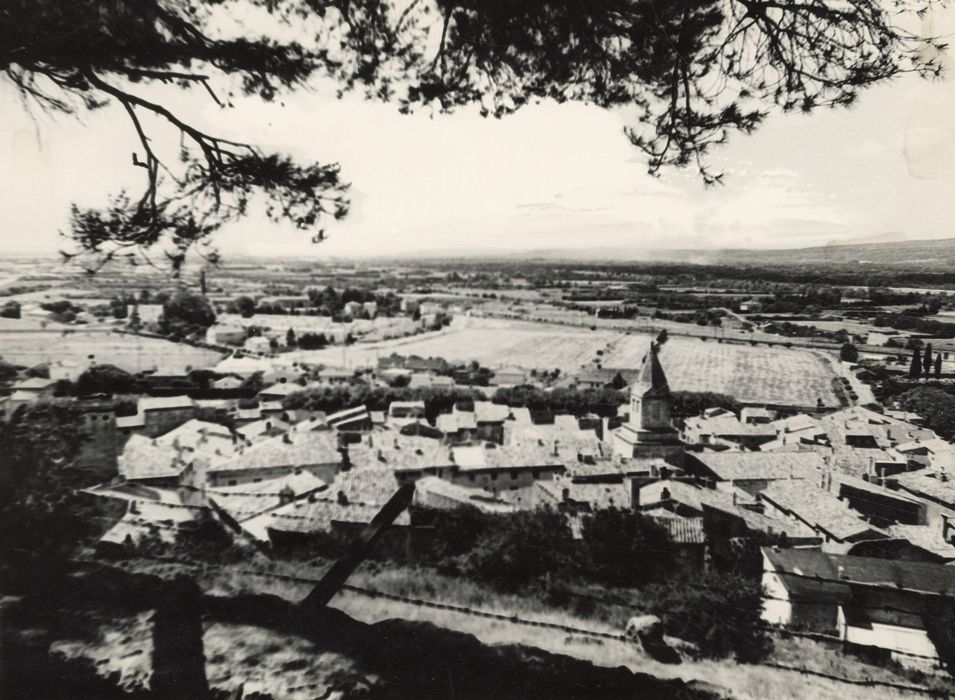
{"x":549,"y":177}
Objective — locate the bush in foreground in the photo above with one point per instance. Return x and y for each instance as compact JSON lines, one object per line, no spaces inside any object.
{"x":720,"y":615}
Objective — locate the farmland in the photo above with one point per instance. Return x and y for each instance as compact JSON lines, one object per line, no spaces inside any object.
{"x":129,"y":352}
{"x":760,"y":373}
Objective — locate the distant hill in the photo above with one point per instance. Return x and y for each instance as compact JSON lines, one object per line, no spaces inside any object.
{"x":934,"y":254}
{"x":926,"y":255}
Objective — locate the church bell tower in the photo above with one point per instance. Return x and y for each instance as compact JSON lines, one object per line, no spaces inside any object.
{"x":648,"y":434}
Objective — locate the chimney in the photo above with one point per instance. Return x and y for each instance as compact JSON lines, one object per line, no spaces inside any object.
{"x":286,"y":495}
{"x":286,"y":439}
{"x":556,"y":452}
{"x":342,"y":498}
{"x":565,"y":494}
{"x":946,"y":526}
{"x":842,"y":573}
{"x":734,"y":498}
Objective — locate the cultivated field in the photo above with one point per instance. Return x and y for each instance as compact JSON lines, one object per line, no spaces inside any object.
{"x":750,"y":373}
{"x":761,"y":373}
{"x":128,"y":352}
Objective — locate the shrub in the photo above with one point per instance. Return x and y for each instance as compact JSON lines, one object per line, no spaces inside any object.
{"x":721,"y":616}
{"x":936,"y":405}
{"x":625,"y":548}
{"x":521,"y":549}
{"x":849,"y":353}
{"x":107,"y":379}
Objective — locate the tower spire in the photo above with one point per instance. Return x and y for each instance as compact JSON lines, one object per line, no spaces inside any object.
{"x":652,"y":381}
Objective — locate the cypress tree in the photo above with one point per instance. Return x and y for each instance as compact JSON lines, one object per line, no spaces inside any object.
{"x":915,"y":369}
{"x":927,"y":360}
{"x":938,"y":366}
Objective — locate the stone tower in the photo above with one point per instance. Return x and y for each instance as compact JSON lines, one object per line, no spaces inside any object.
{"x":648,"y":434}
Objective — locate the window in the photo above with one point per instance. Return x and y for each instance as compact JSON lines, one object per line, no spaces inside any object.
{"x":231,"y":482}
{"x":255,"y":481}
{"x":536,"y":473}
{"x":471,"y":477}
{"x":513,"y":473}
{"x":493,"y":476}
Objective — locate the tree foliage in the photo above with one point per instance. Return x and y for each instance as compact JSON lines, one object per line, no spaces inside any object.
{"x":693,"y":403}
{"x":40,"y":509}
{"x":940,"y":627}
{"x":107,"y":379}
{"x":721,"y":615}
{"x":935,"y":405}
{"x":690,"y":73}
{"x":11,"y":309}
{"x":915,"y":366}
{"x":625,"y":548}
{"x":602,"y":402}
{"x":186,"y":313}
{"x":848,"y":353}
{"x":520,"y":549}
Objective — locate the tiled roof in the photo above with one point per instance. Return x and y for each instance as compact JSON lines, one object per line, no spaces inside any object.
{"x":477,"y":457}
{"x":731,"y":465}
{"x":521,"y":415}
{"x":695,"y":497}
{"x":426,"y":380}
{"x":336,"y":373}
{"x":928,"y":537}
{"x":263,"y":427}
{"x":843,"y":482}
{"x":136,"y":421}
{"x":938,"y":486}
{"x":308,"y":515}
{"x":292,"y":449}
{"x":729,"y":425}
{"x":407,"y":404}
{"x":883,"y":573}
{"x":797,"y":424}
{"x":280,"y":389}
{"x":33,"y":384}
{"x":597,"y":496}
{"x":247,"y":500}
{"x":488,"y":412}
{"x":398,"y":453}
{"x":604,"y":467}
{"x":444,"y":490}
{"x":859,"y":421}
{"x":818,"y":508}
{"x":143,"y":458}
{"x":368,"y":486}
{"x":201,"y":437}
{"x":347,"y":416}
{"x":681,"y":530}
{"x":453,"y":422}
{"x":164,"y":403}
{"x":570,"y":440}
